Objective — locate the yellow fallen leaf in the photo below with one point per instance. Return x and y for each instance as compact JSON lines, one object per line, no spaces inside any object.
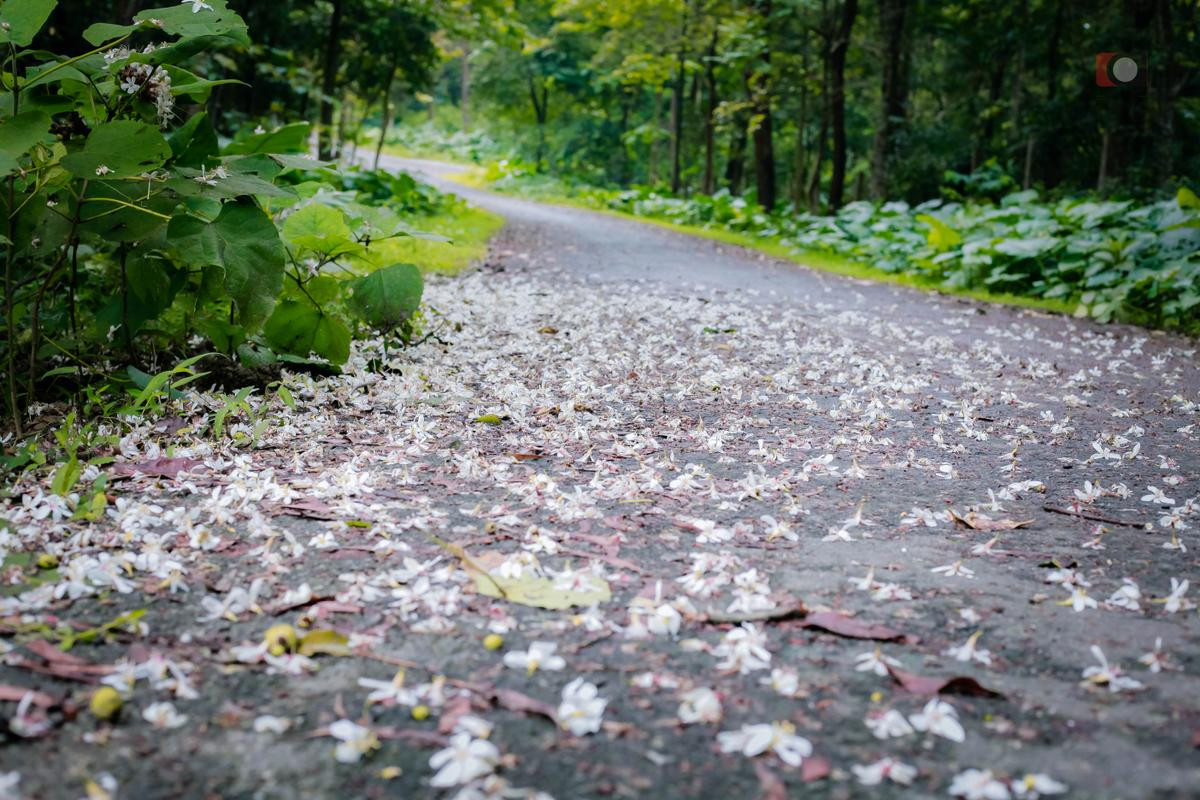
{"x":541,"y":592}
{"x":330,"y":643}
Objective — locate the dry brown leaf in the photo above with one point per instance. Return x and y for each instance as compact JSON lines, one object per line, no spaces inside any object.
{"x":521,"y":702}
{"x":773,"y":787}
{"x":42,"y":648}
{"x":15,"y":694}
{"x":982,"y":522}
{"x":853,"y":628}
{"x":928,"y":685}
{"x":815,"y":768}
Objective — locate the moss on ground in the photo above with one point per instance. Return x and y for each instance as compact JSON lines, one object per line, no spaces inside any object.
{"x":469,"y":230}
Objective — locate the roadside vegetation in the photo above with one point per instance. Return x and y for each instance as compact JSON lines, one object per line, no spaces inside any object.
{"x":1108,"y":259}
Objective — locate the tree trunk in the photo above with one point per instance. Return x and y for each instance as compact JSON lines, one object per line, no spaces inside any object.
{"x":1027,"y":180}
{"x":624,"y":165}
{"x":385,"y":120}
{"x":764,"y":147}
{"x":1102,"y":177}
{"x":837,"y":57}
{"x":800,"y":162}
{"x":539,"y":113}
{"x":464,"y":84}
{"x":343,"y":122}
{"x":677,"y":121}
{"x":333,"y":52}
{"x":893,"y":93}
{"x":652,"y":165}
{"x":710,"y":122}
{"x":735,"y":167}
{"x":1049,"y":137}
{"x":759,"y":85}
{"x":814,"y":180}
{"x":1168,"y":86}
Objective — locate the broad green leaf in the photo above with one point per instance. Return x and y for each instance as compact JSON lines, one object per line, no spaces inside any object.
{"x":320,"y":229}
{"x":244,"y":243}
{"x":1186,"y":198}
{"x":321,"y":289}
{"x":195,"y":143}
{"x":102,"y":32}
{"x":42,"y":75}
{"x":18,"y":135}
{"x":197,"y":182}
{"x":187,"y":84}
{"x":301,"y":329}
{"x":941,"y":236}
{"x":196,"y":18}
{"x":122,"y":149}
{"x":20,"y":20}
{"x":302,"y":162}
{"x":1026,"y":248}
{"x":388,"y":297}
{"x":120,"y":212}
{"x":288,"y":139}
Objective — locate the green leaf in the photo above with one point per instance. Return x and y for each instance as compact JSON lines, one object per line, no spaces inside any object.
{"x":20,"y":20}
{"x":388,"y":297}
{"x":195,"y":19}
{"x":244,"y":243}
{"x":203,"y":182}
{"x":18,"y":135}
{"x":288,"y":139}
{"x":302,"y":329}
{"x":195,"y":143}
{"x":66,"y":476}
{"x":104,"y":215}
{"x":941,"y":236}
{"x":321,"y":229}
{"x":122,"y":149}
{"x":102,"y":32}
{"x":1187,"y":198}
{"x":301,"y":162}
{"x":187,"y":84}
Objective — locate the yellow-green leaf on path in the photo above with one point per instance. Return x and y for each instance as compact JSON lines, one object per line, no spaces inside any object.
{"x":329,"y":643}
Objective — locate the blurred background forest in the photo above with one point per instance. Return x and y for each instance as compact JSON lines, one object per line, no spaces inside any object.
{"x":809,"y":102}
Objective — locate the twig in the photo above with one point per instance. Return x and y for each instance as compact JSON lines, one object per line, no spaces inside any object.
{"x":1093,"y":516}
{"x":762,"y":615}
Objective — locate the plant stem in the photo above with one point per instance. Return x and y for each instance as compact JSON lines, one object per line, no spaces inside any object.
{"x":125,"y":305}
{"x":10,"y":322}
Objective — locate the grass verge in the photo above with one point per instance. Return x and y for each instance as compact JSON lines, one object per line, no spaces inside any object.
{"x":469,"y":230}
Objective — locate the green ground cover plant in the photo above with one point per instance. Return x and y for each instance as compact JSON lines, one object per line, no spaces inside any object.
{"x":135,"y":235}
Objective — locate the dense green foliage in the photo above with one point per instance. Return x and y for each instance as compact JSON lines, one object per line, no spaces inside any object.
{"x":130,"y":230}
{"x":1112,"y":260}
